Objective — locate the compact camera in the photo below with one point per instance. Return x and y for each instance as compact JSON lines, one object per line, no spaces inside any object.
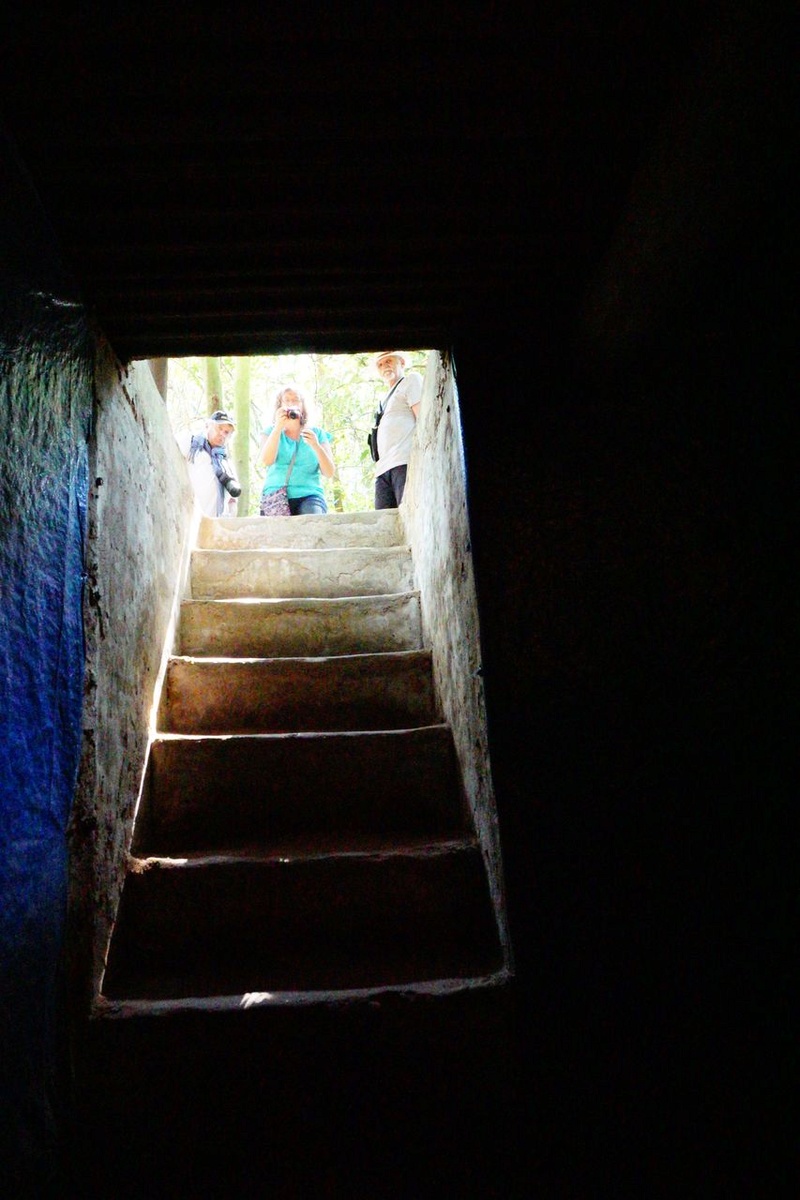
{"x":293,"y":414}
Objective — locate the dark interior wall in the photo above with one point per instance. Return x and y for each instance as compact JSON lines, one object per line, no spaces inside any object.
{"x":631,"y":508}
{"x":45,"y":411}
{"x":636,"y":620}
{"x":629,"y":442}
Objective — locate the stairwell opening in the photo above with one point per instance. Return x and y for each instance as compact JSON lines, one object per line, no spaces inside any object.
{"x":433,"y":524}
{"x":435,"y":519}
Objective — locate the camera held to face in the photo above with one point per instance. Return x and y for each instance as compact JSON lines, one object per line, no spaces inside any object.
{"x":293,"y":414}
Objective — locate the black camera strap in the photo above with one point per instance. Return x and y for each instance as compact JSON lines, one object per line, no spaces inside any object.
{"x":372,"y":437}
{"x":382,"y":409}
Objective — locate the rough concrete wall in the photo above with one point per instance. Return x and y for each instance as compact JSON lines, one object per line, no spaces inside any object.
{"x":140,"y":521}
{"x":436,"y":522}
{"x":45,"y":405}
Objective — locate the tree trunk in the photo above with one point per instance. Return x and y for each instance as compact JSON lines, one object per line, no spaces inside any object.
{"x":213,"y":386}
{"x":241,"y":446}
{"x":338,"y":495}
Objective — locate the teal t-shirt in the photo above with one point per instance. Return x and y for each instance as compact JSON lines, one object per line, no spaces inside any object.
{"x":305,"y":479}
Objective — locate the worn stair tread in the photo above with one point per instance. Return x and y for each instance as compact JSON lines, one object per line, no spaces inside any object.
{"x":237,"y":695}
{"x":371,"y":528}
{"x":289,"y":572}
{"x":229,"y":925}
{"x":159,"y":983}
{"x":202,"y":792}
{"x":413,"y":992}
{"x":324,"y":625}
{"x":310,"y":848}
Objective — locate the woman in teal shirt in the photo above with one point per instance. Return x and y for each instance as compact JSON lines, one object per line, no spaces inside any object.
{"x":289,"y":435}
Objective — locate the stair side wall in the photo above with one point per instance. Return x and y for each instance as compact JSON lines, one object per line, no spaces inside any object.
{"x":436,"y":523}
{"x":141,"y":523}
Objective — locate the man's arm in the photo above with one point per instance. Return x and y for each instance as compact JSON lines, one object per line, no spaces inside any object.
{"x":413,"y":393}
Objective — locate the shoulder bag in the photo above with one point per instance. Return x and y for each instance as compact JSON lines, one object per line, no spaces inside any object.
{"x":276,"y":504}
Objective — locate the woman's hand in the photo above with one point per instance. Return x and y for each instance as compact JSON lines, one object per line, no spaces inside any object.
{"x":268,"y":451}
{"x":322,"y":452}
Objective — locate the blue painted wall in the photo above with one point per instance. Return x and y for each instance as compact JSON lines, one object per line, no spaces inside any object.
{"x":46,"y":361}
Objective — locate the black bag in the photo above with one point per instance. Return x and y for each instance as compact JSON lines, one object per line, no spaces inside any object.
{"x":372,"y":436}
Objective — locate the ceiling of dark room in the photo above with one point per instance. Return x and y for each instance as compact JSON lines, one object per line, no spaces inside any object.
{"x":232,"y":185}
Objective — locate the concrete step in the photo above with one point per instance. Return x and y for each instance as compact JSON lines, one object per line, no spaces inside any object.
{"x":360,"y":571}
{"x":390,"y":1096}
{"x":309,"y":791}
{"x":275,"y":628}
{"x":292,"y":695}
{"x":382,"y":528}
{"x":223,"y":926}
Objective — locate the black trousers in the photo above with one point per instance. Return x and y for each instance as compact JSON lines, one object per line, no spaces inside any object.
{"x":390,"y":486}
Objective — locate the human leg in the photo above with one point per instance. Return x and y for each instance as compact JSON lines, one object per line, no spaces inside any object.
{"x":384,"y":492}
{"x":389,"y":487}
{"x":398,"y":475}
{"x":302,"y":506}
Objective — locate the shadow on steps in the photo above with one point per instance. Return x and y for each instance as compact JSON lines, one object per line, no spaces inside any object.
{"x":399,"y":1097}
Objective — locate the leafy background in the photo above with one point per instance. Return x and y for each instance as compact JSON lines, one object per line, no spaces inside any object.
{"x":342,"y":392}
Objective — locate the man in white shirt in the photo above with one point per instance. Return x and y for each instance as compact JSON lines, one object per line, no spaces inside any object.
{"x":211,"y":471}
{"x":396,"y":421}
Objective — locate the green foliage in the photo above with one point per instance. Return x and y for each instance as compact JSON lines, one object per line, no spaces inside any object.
{"x":342,"y":392}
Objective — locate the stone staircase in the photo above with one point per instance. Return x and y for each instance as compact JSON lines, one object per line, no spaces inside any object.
{"x":302,"y":830}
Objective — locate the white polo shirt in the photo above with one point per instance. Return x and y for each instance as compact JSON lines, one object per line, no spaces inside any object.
{"x":396,"y":430}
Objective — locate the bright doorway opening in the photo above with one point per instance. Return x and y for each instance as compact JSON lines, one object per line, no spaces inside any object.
{"x":342,"y":392}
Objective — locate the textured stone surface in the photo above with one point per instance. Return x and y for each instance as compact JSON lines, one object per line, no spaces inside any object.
{"x":436,"y":522}
{"x":310,"y":532}
{"x":352,"y":571}
{"x":46,"y":354}
{"x":140,"y":509}
{"x":310,"y":790}
{"x":355,"y":691}
{"x":322,"y":626}
{"x":235,"y":925}
{"x":301,"y":862}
